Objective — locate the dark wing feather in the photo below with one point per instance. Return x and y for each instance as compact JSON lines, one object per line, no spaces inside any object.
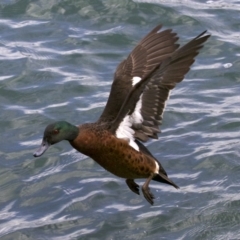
{"x":155,"y":88}
{"x":153,"y":49}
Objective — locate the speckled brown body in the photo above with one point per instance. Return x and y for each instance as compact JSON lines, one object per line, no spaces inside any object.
{"x":113,"y":154}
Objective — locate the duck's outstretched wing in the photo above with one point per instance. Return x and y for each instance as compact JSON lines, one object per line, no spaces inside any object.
{"x":153,"y":49}
{"x":141,"y":113}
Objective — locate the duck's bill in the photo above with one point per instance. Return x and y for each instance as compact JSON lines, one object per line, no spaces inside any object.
{"x":43,"y":148}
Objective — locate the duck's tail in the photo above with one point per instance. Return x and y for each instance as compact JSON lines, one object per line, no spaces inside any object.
{"x":160,"y":177}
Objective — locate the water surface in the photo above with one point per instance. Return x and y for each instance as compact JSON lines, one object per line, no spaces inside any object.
{"x":57,"y":60}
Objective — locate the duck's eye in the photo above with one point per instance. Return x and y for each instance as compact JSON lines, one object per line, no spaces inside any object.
{"x":55,"y":131}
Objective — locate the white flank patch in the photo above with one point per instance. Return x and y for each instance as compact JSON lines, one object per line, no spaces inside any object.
{"x":157,"y":168}
{"x":135,"y":80}
{"x":125,"y":128}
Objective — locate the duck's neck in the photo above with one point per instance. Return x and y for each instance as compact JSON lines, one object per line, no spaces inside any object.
{"x":72,"y":131}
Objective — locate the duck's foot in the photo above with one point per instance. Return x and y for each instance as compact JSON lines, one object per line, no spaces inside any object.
{"x":133,"y":186}
{"x":146,"y":191}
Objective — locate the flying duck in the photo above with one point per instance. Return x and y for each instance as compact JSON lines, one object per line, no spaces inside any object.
{"x":134,"y":110}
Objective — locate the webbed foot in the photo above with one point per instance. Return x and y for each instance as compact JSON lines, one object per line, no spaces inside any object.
{"x":148,"y":195}
{"x":146,"y":191}
{"x":133,"y":186}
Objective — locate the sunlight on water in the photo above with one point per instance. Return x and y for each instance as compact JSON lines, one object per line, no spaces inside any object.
{"x":15,"y":24}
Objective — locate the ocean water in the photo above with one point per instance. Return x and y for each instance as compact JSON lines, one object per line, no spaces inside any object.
{"x":57,"y":60}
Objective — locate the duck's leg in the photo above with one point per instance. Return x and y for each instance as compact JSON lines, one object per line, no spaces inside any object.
{"x":146,"y":190}
{"x":133,"y":186}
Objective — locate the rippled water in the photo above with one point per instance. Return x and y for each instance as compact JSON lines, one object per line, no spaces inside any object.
{"x":57,"y":59}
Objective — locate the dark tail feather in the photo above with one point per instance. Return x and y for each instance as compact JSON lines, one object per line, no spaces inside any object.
{"x":162,"y":176}
{"x":164,"y":179}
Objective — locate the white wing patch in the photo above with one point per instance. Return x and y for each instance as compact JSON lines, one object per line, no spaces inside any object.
{"x":136,"y":116}
{"x":126,"y":132}
{"x":125,"y":128}
{"x":135,"y":80}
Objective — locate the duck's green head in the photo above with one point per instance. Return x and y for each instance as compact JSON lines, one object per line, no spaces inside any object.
{"x":55,"y":133}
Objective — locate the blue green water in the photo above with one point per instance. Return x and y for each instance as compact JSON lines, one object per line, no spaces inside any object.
{"x":57,"y":60}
